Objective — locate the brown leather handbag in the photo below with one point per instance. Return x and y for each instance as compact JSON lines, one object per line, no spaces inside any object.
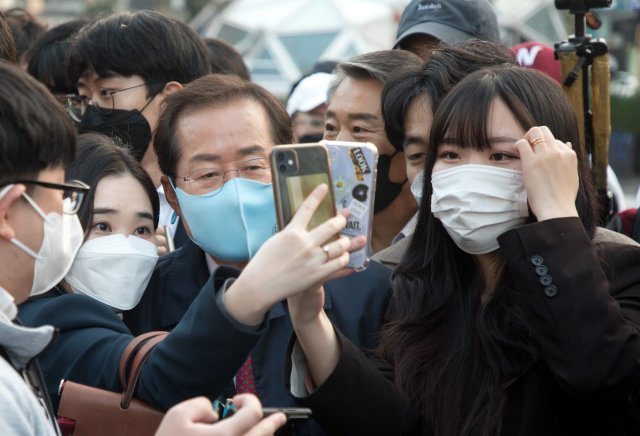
{"x":85,"y":410}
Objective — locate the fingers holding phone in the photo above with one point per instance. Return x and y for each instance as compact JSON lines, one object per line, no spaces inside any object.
{"x":308,"y":250}
{"x":248,"y":419}
{"x":196,"y":417}
{"x":290,"y":262}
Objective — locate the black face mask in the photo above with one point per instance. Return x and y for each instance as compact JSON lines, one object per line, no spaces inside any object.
{"x":313,"y":137}
{"x":130,"y":126}
{"x":386,"y":190}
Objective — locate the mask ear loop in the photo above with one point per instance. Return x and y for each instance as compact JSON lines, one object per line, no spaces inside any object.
{"x":34,"y":205}
{"x":242,"y":214}
{"x":15,"y":241}
{"x":174,"y":215}
{"x":24,"y":248}
{"x":149,"y":102}
{"x":5,"y":190}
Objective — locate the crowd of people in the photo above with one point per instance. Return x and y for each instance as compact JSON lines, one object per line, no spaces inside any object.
{"x":136,"y":196}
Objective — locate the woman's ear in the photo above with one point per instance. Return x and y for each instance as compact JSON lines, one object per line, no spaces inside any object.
{"x":8,"y":195}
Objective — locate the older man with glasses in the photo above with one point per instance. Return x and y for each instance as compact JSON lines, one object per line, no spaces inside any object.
{"x":213,"y":141}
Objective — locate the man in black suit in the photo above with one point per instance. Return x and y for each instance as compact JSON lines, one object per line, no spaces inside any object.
{"x":213,"y":141}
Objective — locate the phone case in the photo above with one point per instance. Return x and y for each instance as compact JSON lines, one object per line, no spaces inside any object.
{"x":353,"y":170}
{"x":304,"y":167}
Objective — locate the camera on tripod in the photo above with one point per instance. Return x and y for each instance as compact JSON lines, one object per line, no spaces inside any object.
{"x":582,"y":6}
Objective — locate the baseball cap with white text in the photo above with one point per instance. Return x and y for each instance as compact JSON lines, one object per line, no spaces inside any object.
{"x":450,"y":21}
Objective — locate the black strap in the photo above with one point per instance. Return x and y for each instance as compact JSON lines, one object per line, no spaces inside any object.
{"x":635,"y":232}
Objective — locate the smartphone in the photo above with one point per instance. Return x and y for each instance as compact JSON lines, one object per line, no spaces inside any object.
{"x":296,"y":416}
{"x":297,"y":169}
{"x":353,"y":171}
{"x":296,"y":419}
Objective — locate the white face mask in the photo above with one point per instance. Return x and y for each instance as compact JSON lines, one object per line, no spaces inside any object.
{"x":113,"y":269}
{"x":478,"y":203}
{"x":416,"y":187}
{"x":62,"y":238}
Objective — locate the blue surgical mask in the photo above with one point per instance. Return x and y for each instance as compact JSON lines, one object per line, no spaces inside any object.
{"x":231,"y":223}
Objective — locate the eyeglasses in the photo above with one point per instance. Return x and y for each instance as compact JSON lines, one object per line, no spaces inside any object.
{"x":105,"y":101}
{"x":206,"y":180}
{"x":74,"y":104}
{"x":73,"y":192}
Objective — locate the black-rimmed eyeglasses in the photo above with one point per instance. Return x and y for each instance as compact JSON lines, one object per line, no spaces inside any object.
{"x":77,"y":104}
{"x":73,"y":192}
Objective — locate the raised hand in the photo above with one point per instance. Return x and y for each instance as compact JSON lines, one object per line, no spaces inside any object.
{"x":161,"y":241}
{"x":292,"y":261}
{"x":550,"y":171}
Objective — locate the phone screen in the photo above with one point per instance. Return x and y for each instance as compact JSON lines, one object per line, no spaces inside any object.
{"x":299,"y":188}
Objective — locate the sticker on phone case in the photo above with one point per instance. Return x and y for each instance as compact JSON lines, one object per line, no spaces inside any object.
{"x":360,"y":163}
{"x":358,"y":209}
{"x":341,"y":191}
{"x":359,"y":192}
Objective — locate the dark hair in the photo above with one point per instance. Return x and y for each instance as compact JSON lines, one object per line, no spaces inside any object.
{"x":145,"y":43}
{"x":225,"y":59}
{"x":212,"y":91}
{"x":100,"y":156}
{"x":454,"y":358}
{"x":376,"y":65}
{"x":49,"y":59}
{"x":447,"y":65}
{"x":7,"y":44}
{"x":35,"y":131}
{"x":26,"y":29}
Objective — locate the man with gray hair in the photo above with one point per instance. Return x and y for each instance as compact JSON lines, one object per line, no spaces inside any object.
{"x":354,"y":114}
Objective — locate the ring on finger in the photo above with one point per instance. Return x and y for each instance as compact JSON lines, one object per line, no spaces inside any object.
{"x":536,"y":141}
{"x":325,"y":248}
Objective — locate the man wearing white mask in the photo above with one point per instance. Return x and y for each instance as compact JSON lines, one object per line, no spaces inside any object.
{"x":39,"y":236}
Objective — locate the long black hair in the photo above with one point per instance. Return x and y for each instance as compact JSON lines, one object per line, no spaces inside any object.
{"x":456,"y":357}
{"x":100,"y":156}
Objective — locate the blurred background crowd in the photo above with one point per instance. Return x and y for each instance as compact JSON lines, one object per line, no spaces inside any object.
{"x":281,"y":41}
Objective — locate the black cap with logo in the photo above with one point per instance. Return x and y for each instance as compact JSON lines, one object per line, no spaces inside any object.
{"x":450,"y":21}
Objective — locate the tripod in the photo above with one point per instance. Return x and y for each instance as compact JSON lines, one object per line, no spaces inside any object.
{"x":582,"y":57}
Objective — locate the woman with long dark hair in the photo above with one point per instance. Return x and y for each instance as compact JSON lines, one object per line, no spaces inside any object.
{"x":512,"y":312}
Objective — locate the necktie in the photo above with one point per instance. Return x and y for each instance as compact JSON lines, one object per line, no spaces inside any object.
{"x":245,"y":381}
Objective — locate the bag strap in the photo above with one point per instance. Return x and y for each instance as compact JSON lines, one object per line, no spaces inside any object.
{"x":635,"y":232}
{"x":130,"y":350}
{"x":138,"y":360}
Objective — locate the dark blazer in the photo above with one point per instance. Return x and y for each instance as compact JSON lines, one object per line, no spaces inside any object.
{"x":356,"y":304}
{"x":92,"y":338}
{"x":585,"y":308}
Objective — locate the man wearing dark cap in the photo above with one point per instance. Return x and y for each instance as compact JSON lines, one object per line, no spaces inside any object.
{"x":425,"y":23}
